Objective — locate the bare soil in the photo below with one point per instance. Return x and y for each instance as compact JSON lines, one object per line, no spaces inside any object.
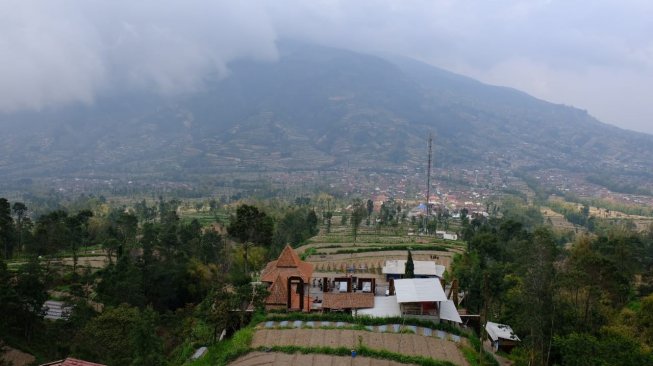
{"x":409,"y":344}
{"x":279,"y":359}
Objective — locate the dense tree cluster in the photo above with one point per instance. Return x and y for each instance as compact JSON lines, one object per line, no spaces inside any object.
{"x":169,"y":284}
{"x":587,"y":303}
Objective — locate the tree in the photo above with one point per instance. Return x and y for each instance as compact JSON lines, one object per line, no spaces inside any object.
{"x":311,"y":220}
{"x":30,"y":290}
{"x":410,"y":266}
{"x":328,"y":216}
{"x":6,"y":228}
{"x":121,"y":336}
{"x":251,"y":227}
{"x":357,"y":215}
{"x":20,"y":210}
{"x":296,"y":226}
{"x":370,"y":208}
{"x":51,"y":233}
{"x":77,"y":233}
{"x":532,"y":299}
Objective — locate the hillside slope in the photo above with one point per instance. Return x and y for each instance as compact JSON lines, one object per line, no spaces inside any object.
{"x":316,"y":108}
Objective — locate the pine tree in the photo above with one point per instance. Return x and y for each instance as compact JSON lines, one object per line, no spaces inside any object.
{"x":410,"y":267}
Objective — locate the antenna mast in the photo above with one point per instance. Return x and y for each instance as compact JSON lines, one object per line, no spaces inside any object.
{"x":428,"y":181}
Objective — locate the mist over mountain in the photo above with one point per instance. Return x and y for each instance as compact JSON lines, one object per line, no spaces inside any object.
{"x":316,"y":108}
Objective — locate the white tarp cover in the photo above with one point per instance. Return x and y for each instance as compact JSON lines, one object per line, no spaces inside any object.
{"x":496,"y":331}
{"x":367,"y":287}
{"x":342,"y":287}
{"x":448,"y":311}
{"x":398,"y":266}
{"x":419,"y":290}
{"x":384,"y":306}
{"x":439,"y":270}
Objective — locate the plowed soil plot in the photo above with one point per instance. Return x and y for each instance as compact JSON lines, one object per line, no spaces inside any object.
{"x":407,"y":344}
{"x":279,"y":359}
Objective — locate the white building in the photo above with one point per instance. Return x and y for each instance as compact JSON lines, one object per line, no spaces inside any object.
{"x":425,"y":297}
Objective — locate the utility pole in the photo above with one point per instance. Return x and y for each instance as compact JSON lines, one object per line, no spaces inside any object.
{"x":428,"y":186}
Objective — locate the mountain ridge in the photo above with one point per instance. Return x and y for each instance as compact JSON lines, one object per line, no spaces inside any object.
{"x":317,"y":108}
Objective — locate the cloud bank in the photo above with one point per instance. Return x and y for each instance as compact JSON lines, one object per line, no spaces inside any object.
{"x":67,"y":51}
{"x":596,"y":56}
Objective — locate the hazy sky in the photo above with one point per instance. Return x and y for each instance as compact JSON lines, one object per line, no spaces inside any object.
{"x":595,"y":55}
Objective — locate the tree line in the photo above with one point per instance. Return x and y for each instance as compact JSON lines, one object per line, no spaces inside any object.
{"x":169,"y":284}
{"x":588,"y":302}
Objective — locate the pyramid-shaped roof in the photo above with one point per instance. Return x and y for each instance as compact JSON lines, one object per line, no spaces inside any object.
{"x":286,"y":266}
{"x":288,"y":258}
{"x":278,"y":292}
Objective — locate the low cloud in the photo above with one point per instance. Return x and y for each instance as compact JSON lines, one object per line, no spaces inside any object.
{"x":71,"y":51}
{"x":596,"y":56}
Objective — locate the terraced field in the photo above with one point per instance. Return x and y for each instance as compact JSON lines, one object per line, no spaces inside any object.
{"x":336,"y":252}
{"x":297,"y":359}
{"x":406,"y":344}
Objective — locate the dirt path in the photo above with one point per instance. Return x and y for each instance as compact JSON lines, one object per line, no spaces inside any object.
{"x":279,"y":359}
{"x":409,"y":344}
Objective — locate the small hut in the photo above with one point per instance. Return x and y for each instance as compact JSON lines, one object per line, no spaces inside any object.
{"x":502,"y":336}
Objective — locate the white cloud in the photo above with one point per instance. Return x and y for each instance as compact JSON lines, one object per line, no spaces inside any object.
{"x":69,"y":51}
{"x":597,"y":56}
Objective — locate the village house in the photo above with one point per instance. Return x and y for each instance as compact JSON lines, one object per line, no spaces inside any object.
{"x":288,"y":282}
{"x":420,"y":296}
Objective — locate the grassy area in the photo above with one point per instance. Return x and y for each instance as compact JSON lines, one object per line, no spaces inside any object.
{"x":308,"y":252}
{"x":81,"y":252}
{"x":205,"y":218}
{"x":228,"y":350}
{"x":472,"y":355}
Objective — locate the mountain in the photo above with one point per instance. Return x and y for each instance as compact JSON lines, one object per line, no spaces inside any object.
{"x":316,"y":108}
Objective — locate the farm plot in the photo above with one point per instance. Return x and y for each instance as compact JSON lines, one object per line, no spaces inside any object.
{"x":408,"y":344}
{"x":274,"y":358}
{"x":371,"y":263}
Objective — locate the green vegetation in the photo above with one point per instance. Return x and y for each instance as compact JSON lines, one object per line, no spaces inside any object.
{"x":172,"y":284}
{"x":473,"y":356}
{"x":615,"y":186}
{"x":307,"y":253}
{"x":226,"y":351}
{"x":414,"y":247}
{"x":560,"y":300}
{"x":410,"y":266}
{"x":364,"y":320}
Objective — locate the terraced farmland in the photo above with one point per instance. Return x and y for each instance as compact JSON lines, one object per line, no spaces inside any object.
{"x":298,"y":359}
{"x":405,"y":344}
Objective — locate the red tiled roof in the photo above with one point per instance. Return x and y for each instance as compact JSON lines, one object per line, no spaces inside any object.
{"x":348,"y":300}
{"x":278,"y":293}
{"x":288,"y":258}
{"x":286,"y":266}
{"x":277,"y":273}
{"x":72,"y":362}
